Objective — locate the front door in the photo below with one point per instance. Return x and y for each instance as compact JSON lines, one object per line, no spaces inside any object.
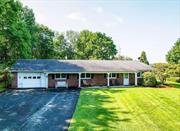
{"x":126,"y":79}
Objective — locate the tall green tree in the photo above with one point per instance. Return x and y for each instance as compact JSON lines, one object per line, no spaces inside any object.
{"x":104,"y":47}
{"x":65,"y":44}
{"x":173,"y":56}
{"x":44,"y":48}
{"x":143,"y":58}
{"x":29,"y":18}
{"x":95,"y":46}
{"x":15,"y":39}
{"x":84,"y":46}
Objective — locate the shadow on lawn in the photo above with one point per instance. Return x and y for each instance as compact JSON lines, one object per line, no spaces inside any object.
{"x":95,"y":111}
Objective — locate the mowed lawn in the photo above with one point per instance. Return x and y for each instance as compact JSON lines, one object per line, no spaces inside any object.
{"x":127,"y":109}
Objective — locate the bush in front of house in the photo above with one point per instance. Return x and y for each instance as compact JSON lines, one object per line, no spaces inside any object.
{"x":149,"y":79}
{"x":174,"y":79}
{"x":5,"y":77}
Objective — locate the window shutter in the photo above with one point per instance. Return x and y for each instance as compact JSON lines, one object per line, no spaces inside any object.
{"x":92,"y":76}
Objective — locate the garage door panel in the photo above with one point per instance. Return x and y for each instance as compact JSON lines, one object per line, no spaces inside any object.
{"x":31,"y":80}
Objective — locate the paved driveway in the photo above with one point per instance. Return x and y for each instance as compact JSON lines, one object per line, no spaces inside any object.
{"x":37,"y":109}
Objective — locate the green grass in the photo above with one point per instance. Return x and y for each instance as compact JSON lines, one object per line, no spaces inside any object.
{"x":127,"y":109}
{"x":2,"y":87}
{"x":172,"y":84}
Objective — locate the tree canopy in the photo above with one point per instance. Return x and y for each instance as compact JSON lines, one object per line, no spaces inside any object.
{"x":173,"y":56}
{"x":143,"y":58}
{"x":22,"y":38}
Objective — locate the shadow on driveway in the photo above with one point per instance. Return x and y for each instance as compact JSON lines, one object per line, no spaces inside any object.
{"x":37,"y":109}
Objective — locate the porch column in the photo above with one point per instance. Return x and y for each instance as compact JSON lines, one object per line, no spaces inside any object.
{"x":108,"y":80}
{"x":79,"y":85}
{"x":135,"y":78}
{"x":46,"y":79}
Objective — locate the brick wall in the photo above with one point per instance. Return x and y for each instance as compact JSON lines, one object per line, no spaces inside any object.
{"x":14,"y":81}
{"x":72,"y":80}
{"x":96,"y":80}
{"x":131,"y":79}
{"x":118,"y":81}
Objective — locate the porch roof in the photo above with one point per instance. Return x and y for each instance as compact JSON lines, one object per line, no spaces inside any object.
{"x":51,"y":65}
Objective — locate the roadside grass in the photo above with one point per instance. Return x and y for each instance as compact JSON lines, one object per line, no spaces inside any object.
{"x":127,"y":109}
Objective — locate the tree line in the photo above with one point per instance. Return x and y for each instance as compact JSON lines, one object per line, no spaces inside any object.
{"x":22,"y":38}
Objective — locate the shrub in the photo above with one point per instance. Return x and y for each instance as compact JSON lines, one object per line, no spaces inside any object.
{"x":174,"y":79}
{"x":149,"y":79}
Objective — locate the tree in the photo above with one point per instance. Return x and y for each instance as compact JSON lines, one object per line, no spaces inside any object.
{"x":44,"y":48}
{"x":173,"y":56}
{"x":15,"y":39}
{"x":121,"y":57}
{"x":65,"y":44}
{"x":143,"y":58}
{"x":84,"y":45}
{"x":95,"y":46}
{"x":160,"y":71}
{"x":104,"y":47}
{"x":29,"y":18}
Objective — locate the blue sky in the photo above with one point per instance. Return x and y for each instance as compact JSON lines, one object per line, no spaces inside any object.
{"x":134,"y":25}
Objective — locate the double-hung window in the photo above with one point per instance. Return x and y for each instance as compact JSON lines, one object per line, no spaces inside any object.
{"x":112,"y":75}
{"x":85,"y":76}
{"x":139,"y":75}
{"x":61,"y":76}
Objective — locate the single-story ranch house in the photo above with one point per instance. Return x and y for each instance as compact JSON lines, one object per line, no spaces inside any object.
{"x":48,"y":73}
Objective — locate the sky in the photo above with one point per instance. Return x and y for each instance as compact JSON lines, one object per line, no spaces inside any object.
{"x":134,"y":25}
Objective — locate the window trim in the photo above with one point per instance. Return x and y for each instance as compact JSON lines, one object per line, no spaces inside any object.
{"x":60,"y":78}
{"x":85,"y":76}
{"x":140,"y":75}
{"x":113,"y":77}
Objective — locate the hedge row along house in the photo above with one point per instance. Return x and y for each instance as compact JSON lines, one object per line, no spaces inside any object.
{"x":48,"y":73}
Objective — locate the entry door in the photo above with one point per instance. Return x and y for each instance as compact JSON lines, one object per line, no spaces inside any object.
{"x":126,"y":79}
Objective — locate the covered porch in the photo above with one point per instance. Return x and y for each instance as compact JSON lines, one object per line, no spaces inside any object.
{"x":90,"y":79}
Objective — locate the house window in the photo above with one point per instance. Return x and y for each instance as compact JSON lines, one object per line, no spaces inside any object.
{"x":25,"y":77}
{"x":112,"y":75}
{"x":86,"y":76}
{"x":139,"y":74}
{"x":60,"y":76}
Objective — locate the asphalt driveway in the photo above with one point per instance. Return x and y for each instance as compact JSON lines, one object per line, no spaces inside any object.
{"x":32,"y":110}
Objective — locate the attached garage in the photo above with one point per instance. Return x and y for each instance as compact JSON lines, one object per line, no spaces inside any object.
{"x":32,"y":80}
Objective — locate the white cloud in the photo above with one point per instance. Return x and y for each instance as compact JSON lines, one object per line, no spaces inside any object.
{"x":76,"y":16}
{"x":100,"y":10}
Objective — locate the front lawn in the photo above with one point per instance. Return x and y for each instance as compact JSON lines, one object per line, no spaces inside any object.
{"x":127,"y":109}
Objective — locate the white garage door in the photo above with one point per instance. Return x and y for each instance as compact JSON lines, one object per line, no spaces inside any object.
{"x":31,"y":80}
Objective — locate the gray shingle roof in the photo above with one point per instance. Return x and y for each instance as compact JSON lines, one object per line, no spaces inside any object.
{"x":50,"y":65}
